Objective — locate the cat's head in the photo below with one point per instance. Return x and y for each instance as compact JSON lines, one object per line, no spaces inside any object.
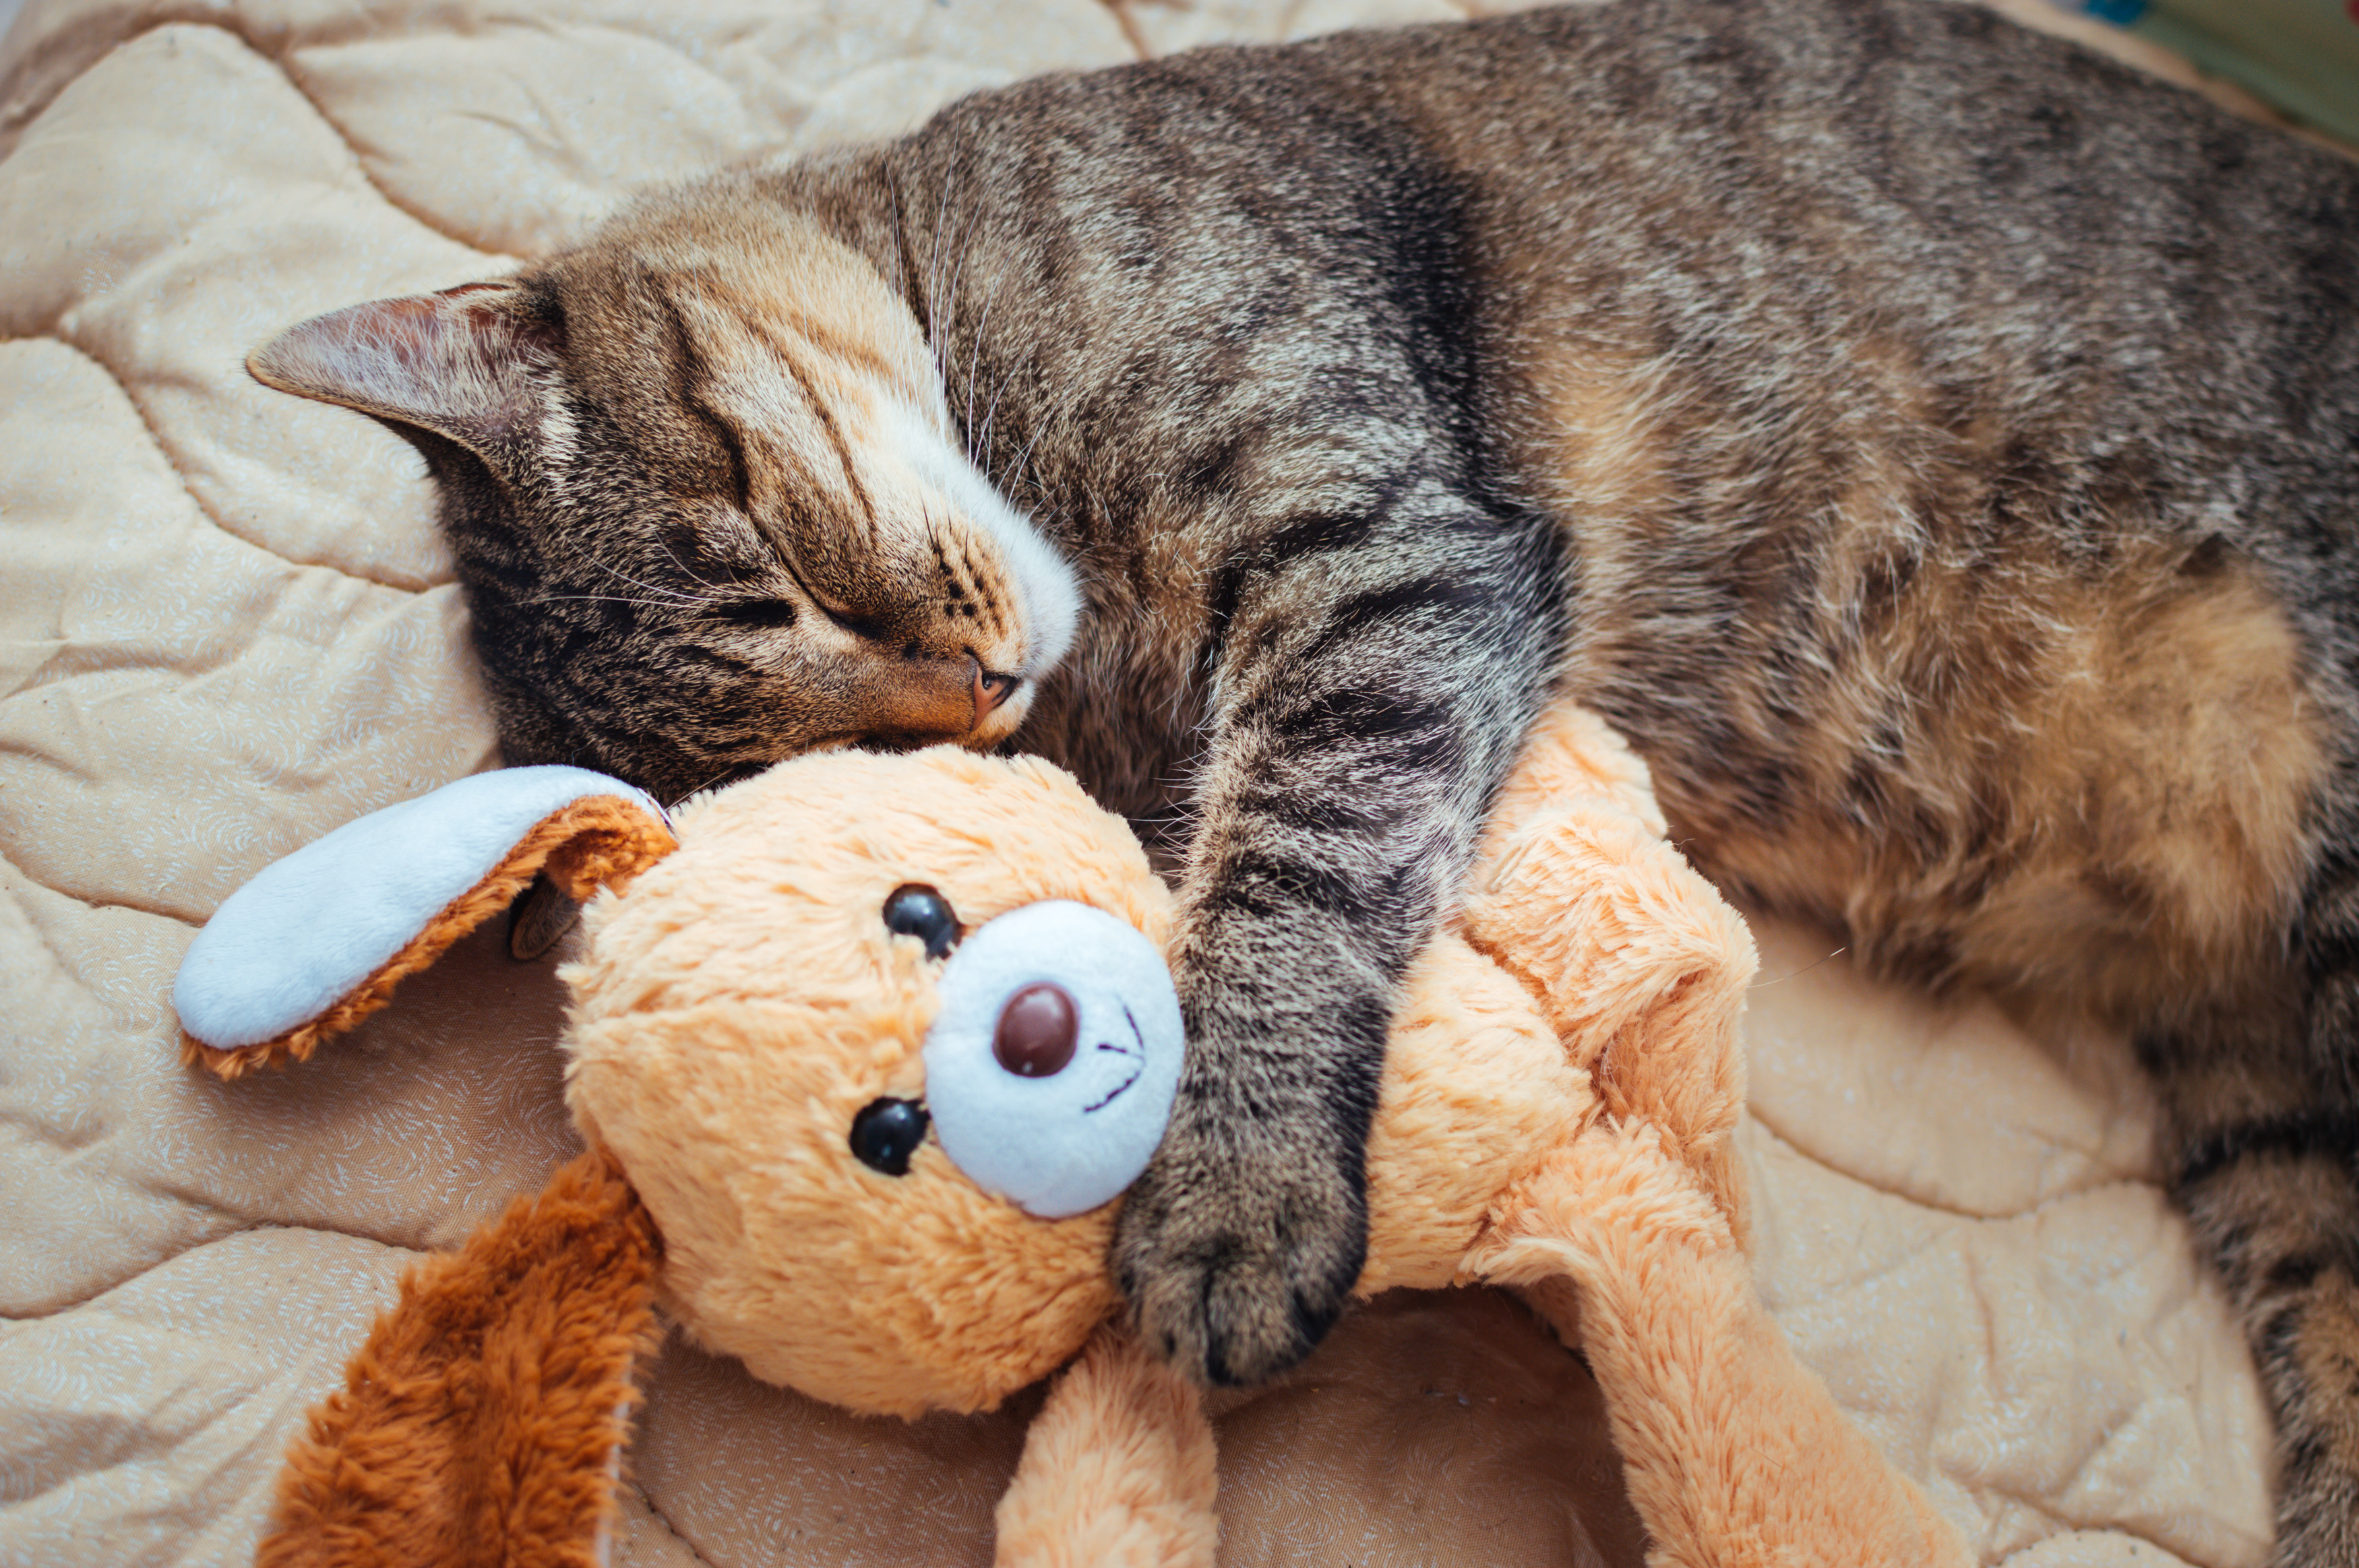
{"x":709,"y":504}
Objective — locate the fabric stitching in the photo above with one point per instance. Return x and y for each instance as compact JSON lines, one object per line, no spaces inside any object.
{"x":164,"y":450}
{"x":33,"y":113}
{"x":661,"y":1517}
{"x":1770,"y":1125}
{"x":8,"y":748}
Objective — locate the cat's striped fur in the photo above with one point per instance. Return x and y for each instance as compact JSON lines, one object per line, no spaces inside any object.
{"x":1935,"y":449}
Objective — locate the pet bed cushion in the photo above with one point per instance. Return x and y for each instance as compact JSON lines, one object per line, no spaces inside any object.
{"x":227,"y":627}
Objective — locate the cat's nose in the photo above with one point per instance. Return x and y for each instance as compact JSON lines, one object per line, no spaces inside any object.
{"x":990,"y":689}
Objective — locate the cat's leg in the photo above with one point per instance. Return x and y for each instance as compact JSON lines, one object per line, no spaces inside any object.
{"x":1375,"y":668}
{"x":2262,"y":1138}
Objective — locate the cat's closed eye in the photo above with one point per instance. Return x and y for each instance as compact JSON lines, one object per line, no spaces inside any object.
{"x":759,"y":614}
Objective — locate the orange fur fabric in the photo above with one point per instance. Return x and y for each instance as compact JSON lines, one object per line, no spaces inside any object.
{"x":1734,"y":1452}
{"x":478,"y":1425}
{"x":1118,"y":1469}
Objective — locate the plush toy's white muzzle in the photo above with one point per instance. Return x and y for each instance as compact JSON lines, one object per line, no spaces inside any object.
{"x":1051,"y":1066}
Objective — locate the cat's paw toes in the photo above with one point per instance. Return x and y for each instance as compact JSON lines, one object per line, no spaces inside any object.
{"x":1235,"y":1270}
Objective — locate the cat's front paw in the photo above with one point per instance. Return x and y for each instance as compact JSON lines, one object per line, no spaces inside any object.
{"x":1239,"y":1252}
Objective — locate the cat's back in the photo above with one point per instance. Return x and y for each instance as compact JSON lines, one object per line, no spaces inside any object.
{"x":1786,"y":194}
{"x":2018,"y":203}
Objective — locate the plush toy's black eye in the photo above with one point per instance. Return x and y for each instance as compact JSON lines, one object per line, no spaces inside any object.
{"x":916,"y":910}
{"x":886,"y":1133}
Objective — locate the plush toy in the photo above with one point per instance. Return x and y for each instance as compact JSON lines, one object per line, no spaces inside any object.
{"x":865,"y":1050}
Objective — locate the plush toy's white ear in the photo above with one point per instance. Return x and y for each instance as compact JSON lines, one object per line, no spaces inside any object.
{"x":317,"y":941}
{"x":467,"y":362}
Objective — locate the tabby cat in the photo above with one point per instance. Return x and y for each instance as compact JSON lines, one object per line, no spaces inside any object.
{"x":1936,"y":447}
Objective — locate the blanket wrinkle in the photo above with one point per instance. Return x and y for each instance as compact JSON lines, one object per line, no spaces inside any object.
{"x":83,"y":655}
{"x":203,"y":658}
{"x":18,"y":924}
{"x":493,"y":261}
{"x":2081,"y":1548}
{"x":2058,"y":1113}
{"x":306,"y":66}
{"x":39,"y":1131}
{"x":1768,"y":1121}
{"x":1958,"y":1384}
{"x":241,"y":1220}
{"x":95,"y":1297}
{"x":127,"y":904}
{"x":25,"y":97}
{"x":631,"y":1544}
{"x":59,"y":336}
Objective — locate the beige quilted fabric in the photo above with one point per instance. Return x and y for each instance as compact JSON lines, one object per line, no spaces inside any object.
{"x":226,"y":626}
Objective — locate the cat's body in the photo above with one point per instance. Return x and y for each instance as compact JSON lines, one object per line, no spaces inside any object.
{"x":1933,"y":446}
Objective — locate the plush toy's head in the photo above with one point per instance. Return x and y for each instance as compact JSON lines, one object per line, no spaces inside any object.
{"x":878,"y":1039}
{"x":876,"y":1045}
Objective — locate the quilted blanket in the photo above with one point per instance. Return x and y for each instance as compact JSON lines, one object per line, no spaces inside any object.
{"x":227,"y":625}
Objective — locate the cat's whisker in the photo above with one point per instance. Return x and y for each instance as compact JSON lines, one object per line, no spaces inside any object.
{"x":596,"y":598}
{"x":974,"y":351}
{"x":726,"y":769}
{"x":990,"y":413}
{"x":900,"y":226}
{"x":715,"y":590}
{"x":676,"y":596}
{"x":934,"y":270}
{"x":1024,"y":459}
{"x":963,"y":250}
{"x":1797,"y":974}
{"x":621,"y":576}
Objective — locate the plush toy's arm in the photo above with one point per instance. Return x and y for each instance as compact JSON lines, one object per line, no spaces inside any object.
{"x":1734,"y":1452}
{"x":318,"y":940}
{"x":1630,"y":1239}
{"x":1639,"y":966}
{"x":481,"y":1422}
{"x":1118,"y":1469}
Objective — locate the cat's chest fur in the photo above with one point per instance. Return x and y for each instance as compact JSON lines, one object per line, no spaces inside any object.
{"x":1125,"y":711}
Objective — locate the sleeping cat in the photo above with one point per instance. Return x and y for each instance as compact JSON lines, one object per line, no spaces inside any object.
{"x":1934,"y":447}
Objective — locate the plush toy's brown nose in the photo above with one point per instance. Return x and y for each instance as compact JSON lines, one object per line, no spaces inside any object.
{"x":1037,"y":1031}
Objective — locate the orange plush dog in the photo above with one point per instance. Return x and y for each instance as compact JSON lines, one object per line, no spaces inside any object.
{"x":865,"y":1050}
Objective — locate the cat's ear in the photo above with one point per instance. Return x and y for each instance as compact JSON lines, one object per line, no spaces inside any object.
{"x":469,"y":363}
{"x":316,"y":941}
